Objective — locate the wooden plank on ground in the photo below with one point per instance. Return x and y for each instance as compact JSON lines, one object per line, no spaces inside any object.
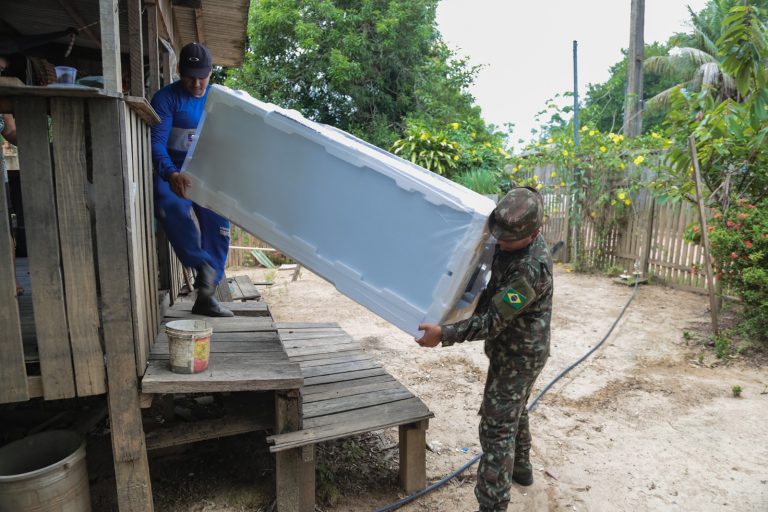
{"x":182,"y":309}
{"x":14,"y":379}
{"x":340,"y":377}
{"x":237,"y":347}
{"x":333,"y":386}
{"x":43,"y":248}
{"x":225,"y":373}
{"x":325,"y":428}
{"x":316,"y":342}
{"x":201,"y":430}
{"x":324,"y":349}
{"x":244,"y":288}
{"x":305,"y":325}
{"x":271,"y":336}
{"x":342,"y":358}
{"x":339,"y":368}
{"x":68,"y":116}
{"x":355,"y":402}
{"x":342,"y":391}
{"x":111,"y":206}
{"x":341,"y":355}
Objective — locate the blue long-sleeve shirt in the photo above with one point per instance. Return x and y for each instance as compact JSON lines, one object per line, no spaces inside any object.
{"x":179,"y":113}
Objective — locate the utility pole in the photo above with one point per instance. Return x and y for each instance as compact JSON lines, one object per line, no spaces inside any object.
{"x":633,"y":110}
{"x":575,"y":212}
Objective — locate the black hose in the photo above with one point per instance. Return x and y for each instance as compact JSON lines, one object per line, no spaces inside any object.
{"x":531,"y":405}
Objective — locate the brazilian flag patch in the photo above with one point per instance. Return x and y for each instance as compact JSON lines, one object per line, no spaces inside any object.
{"x":514,"y":298}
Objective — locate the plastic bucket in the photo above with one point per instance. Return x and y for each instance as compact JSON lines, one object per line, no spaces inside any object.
{"x":44,"y":472}
{"x":189,"y":344}
{"x":65,"y":74}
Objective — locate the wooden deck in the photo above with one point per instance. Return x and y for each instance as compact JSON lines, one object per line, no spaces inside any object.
{"x":346,"y":392}
{"x":246,"y":355}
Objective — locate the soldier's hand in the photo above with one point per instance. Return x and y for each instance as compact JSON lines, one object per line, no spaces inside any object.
{"x":179,"y":184}
{"x":432,"y":335}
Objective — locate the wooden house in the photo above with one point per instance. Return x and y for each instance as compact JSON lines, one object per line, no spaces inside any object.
{"x":101,"y":277}
{"x":93,"y":260}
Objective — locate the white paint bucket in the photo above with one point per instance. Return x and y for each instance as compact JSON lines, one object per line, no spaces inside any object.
{"x":44,"y":472}
{"x":189,"y":344}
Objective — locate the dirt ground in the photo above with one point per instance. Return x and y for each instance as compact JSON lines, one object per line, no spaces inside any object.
{"x":644,"y":424}
{"x":648,"y":423}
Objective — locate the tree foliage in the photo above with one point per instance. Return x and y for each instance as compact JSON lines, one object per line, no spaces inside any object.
{"x":366,"y":66}
{"x":604,"y":103}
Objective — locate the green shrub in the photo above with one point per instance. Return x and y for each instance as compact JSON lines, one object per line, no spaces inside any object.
{"x":739,"y":238}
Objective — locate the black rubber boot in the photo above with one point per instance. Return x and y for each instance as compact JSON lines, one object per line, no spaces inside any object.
{"x":523,"y":474}
{"x":205,"y":282}
{"x":209,"y":306}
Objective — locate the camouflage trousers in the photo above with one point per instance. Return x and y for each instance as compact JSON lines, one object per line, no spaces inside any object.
{"x":504,"y":432}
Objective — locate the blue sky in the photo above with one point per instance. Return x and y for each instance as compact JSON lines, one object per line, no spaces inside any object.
{"x":526,"y":47}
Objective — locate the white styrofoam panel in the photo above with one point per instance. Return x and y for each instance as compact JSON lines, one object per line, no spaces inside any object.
{"x":392,"y":236}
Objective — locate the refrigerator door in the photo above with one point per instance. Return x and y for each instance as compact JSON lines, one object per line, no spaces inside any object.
{"x":398,"y":239}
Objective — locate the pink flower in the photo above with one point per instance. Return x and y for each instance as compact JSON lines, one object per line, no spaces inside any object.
{"x":747,"y":244}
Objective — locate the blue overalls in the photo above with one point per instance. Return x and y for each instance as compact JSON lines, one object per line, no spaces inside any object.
{"x":179,"y":114}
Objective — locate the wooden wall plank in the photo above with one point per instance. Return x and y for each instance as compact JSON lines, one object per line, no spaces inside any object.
{"x":111,"y":193}
{"x":136,"y":45}
{"x":110,"y":45}
{"x":153,"y":49}
{"x":76,"y":245}
{"x":43,"y":248}
{"x":150,"y":233}
{"x":13,"y":374}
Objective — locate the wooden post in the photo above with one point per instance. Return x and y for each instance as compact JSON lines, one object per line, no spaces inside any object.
{"x":14,"y":374}
{"x":135,"y":43}
{"x":413,"y":448}
{"x":153,"y":49}
{"x":295,"y":471}
{"x":110,"y":46}
{"x":645,"y":258}
{"x":633,"y":110}
{"x":111,"y":197}
{"x":704,"y":235}
{"x":43,"y":243}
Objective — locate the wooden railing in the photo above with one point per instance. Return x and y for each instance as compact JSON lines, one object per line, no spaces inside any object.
{"x":86,"y":191}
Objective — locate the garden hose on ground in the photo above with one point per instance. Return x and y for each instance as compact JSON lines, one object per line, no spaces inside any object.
{"x":531,"y":405}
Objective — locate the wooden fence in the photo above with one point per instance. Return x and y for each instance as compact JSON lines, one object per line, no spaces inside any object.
{"x":672,"y":260}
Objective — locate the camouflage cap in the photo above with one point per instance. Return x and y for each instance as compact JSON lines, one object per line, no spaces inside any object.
{"x":518,"y":215}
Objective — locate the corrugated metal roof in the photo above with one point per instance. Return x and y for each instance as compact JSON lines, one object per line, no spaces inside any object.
{"x":224,"y":23}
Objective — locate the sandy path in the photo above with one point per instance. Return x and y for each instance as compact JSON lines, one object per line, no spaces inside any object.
{"x":640,"y":426}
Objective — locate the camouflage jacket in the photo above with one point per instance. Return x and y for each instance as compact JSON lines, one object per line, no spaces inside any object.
{"x":514,"y":312}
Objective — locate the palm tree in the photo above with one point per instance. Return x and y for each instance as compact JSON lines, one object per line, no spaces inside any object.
{"x":694,"y":60}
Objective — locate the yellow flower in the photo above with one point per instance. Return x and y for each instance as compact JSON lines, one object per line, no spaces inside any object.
{"x":473,"y":134}
{"x":603,"y":149}
{"x":621,"y":165}
{"x":593,"y":214}
{"x":553,"y":174}
{"x":539,"y":186}
{"x":456,"y":157}
{"x":613,"y":202}
{"x":570,"y":142}
{"x":640,"y":159}
{"x":423,"y":136}
{"x":455,"y":145}
{"x":455,"y":126}
{"x":592,"y":133}
{"x":550,"y":140}
{"x":627,"y":202}
{"x":572,"y":154}
{"x":562,"y":183}
{"x":655,"y":135}
{"x":584,"y":128}
{"x":621,"y":195}
{"x":535,"y":178}
{"x":501,"y":150}
{"x":565,"y":152}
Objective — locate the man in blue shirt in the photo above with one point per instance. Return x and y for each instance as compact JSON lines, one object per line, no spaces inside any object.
{"x":180,"y":106}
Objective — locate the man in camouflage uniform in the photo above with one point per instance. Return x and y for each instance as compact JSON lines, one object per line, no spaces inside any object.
{"x":513,"y":317}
